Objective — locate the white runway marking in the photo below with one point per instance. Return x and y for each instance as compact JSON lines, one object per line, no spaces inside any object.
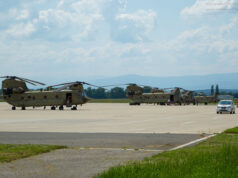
{"x":192,"y":142}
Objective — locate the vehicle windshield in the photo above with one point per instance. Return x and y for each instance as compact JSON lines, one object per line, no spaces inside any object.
{"x":225,"y":102}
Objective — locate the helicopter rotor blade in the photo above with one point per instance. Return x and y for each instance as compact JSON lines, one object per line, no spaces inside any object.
{"x":61,"y":84}
{"x":32,"y":82}
{"x":29,"y":82}
{"x":64,"y":87}
{"x":115,"y":85}
{"x":91,"y":85}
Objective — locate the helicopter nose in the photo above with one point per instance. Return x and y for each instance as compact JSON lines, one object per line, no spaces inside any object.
{"x":86,"y":99}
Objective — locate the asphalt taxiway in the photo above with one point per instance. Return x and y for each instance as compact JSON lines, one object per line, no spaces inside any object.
{"x":102,"y":135}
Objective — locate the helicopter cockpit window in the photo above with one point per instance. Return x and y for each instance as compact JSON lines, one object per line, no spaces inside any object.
{"x":81,"y":94}
{"x":7,"y":91}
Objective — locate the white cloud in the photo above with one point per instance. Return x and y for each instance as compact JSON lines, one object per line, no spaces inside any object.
{"x":201,"y":7}
{"x":23,"y":14}
{"x":202,"y":40}
{"x":21,"y":30}
{"x":228,"y":27}
{"x":134,"y":27}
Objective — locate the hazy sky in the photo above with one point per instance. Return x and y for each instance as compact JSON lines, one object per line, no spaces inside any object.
{"x":93,"y":38}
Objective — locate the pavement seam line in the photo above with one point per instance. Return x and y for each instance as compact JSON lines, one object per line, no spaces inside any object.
{"x":192,"y":142}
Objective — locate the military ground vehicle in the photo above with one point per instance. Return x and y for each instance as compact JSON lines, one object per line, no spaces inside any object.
{"x":16,"y":93}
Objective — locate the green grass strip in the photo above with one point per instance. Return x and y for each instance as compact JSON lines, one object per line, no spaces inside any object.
{"x":12,"y":152}
{"x":233,"y":130}
{"x":215,"y":157}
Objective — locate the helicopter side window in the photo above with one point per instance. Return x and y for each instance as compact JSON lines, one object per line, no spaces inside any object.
{"x":81,"y":94}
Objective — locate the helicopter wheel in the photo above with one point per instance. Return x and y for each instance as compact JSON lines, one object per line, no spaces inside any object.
{"x":74,"y":108}
{"x":53,"y":108}
{"x":23,"y":108}
{"x":13,"y":108}
{"x":61,"y":108}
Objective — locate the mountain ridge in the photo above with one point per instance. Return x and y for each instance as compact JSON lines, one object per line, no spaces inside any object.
{"x":193,"y":82}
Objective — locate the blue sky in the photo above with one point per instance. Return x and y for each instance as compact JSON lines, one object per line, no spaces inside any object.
{"x":82,"y":39}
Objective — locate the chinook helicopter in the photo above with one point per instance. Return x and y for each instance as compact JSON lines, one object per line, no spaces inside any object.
{"x":206,"y":99}
{"x":16,"y":93}
{"x":187,"y":96}
{"x":156,"y":96}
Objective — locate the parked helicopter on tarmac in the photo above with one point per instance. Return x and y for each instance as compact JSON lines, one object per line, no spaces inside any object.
{"x":156,"y":96}
{"x":16,"y":93}
{"x":187,"y":96}
{"x":206,"y":99}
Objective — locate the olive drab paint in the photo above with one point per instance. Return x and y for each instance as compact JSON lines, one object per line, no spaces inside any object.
{"x":135,"y":93}
{"x":16,"y":93}
{"x":206,"y":99}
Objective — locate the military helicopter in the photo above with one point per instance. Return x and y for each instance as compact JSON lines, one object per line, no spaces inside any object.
{"x":187,"y":96}
{"x":157,"y":96}
{"x":206,"y":99}
{"x":16,"y":93}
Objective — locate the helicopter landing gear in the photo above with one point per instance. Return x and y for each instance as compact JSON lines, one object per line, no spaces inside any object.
{"x":23,"y":108}
{"x":13,"y":107}
{"x":61,"y":108}
{"x":74,"y":108}
{"x":52,"y":108}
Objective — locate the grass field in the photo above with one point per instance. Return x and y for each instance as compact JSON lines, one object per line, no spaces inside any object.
{"x":109,"y":101}
{"x":12,"y":152}
{"x":215,"y":157}
{"x":232,"y":130}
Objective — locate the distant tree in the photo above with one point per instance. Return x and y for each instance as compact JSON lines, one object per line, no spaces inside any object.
{"x":99,"y":93}
{"x":217,"y":90}
{"x":117,"y":92}
{"x":147,"y":89}
{"x":89,"y":92}
{"x":212,"y":90}
{"x":235,"y":95}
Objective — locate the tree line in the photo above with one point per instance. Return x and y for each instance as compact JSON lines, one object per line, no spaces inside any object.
{"x":120,"y":93}
{"x":113,"y":93}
